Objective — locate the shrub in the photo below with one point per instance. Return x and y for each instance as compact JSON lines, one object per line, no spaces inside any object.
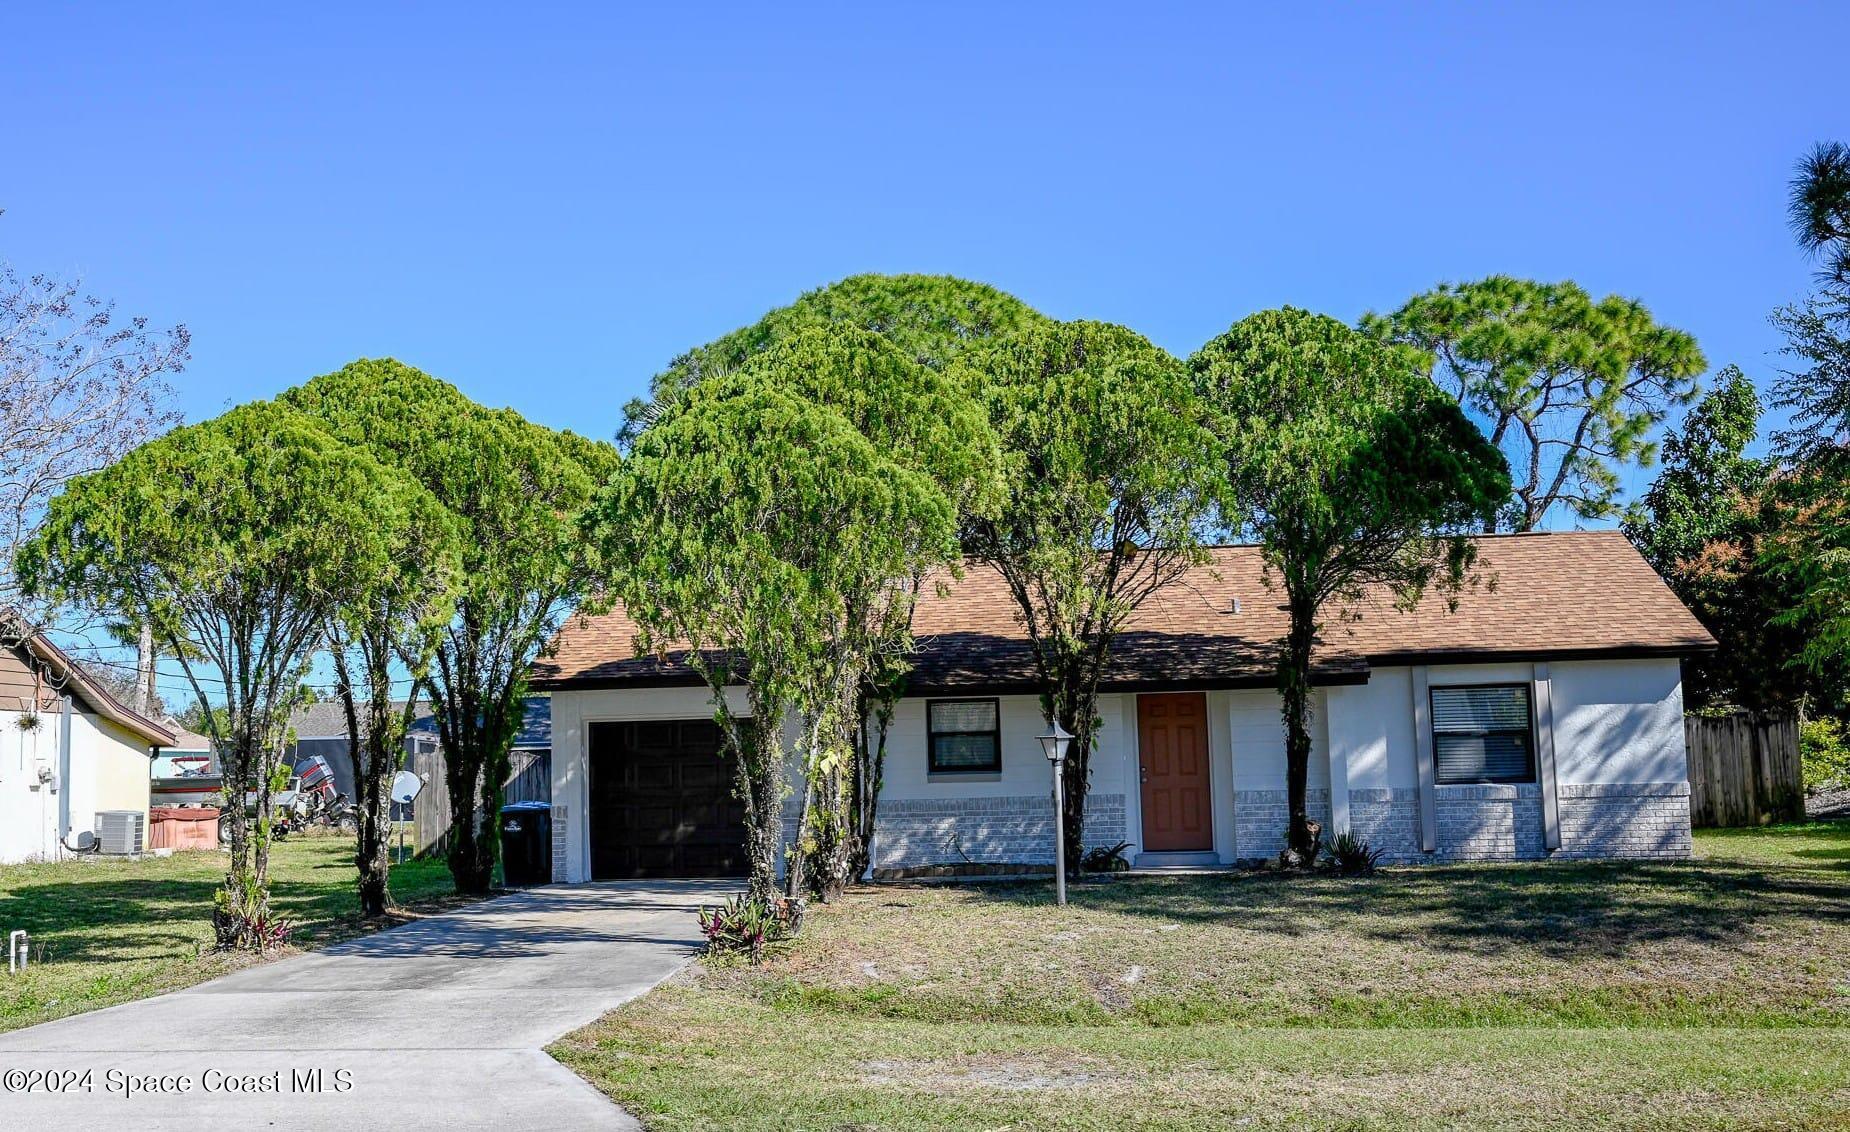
{"x":251,"y":924}
{"x":1824,"y":752}
{"x":1350,"y":856}
{"x":1100,"y":859}
{"x":746,"y":927}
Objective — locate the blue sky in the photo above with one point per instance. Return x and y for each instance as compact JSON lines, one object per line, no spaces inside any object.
{"x":543,"y":204}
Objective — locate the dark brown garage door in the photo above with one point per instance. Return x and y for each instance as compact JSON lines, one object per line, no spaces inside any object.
{"x":661,"y":802}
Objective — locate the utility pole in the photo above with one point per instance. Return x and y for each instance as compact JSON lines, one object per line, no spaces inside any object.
{"x":144,"y":669}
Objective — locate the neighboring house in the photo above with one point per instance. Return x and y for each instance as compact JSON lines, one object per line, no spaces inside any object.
{"x":68,"y":750}
{"x":1543,"y":716}
{"x":321,"y":729}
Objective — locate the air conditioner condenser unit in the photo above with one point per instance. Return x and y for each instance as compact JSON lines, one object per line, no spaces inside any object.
{"x":120,"y":831}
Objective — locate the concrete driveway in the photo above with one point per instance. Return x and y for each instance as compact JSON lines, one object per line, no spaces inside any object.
{"x":437,"y":1024}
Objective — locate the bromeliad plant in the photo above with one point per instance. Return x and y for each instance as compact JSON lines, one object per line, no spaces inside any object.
{"x":745,"y":925}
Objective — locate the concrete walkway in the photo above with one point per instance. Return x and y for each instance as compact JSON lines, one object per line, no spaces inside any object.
{"x":436,"y":1024}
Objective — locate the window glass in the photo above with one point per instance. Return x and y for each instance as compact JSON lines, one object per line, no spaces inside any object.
{"x":1482,"y":734}
{"x":965,"y":735}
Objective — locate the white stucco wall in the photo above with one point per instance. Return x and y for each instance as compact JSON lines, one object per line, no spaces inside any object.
{"x":1616,"y":721}
{"x":28,"y":806}
{"x":1372,"y":726}
{"x":1617,"y":726}
{"x":1619,"y":721}
{"x":1024,"y":766}
{"x":1257,"y":736}
{"x":122,"y":768}
{"x":109,"y":770}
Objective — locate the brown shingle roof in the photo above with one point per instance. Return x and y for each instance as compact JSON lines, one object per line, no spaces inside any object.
{"x":1565,"y":594}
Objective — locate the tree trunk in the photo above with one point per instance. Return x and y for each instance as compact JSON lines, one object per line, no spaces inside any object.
{"x":796,"y":859}
{"x":372,"y":811}
{"x":463,"y":777}
{"x":493,"y":793}
{"x":144,"y":670}
{"x":229,"y":907}
{"x":830,"y":872}
{"x":761,"y":787}
{"x":870,"y":774}
{"x":1294,"y":689}
{"x":241,"y":918}
{"x":821,"y":864}
{"x":1079,"y":715}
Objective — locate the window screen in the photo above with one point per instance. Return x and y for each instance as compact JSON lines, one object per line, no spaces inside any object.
{"x":965,"y":735}
{"x":1483,"y":734}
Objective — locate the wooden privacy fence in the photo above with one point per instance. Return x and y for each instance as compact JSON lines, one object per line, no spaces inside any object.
{"x":431,"y":814}
{"x":1743,"y":769}
{"x":531,"y":781}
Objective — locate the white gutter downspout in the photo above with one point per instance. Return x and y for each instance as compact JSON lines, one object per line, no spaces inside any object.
{"x":68,"y":709}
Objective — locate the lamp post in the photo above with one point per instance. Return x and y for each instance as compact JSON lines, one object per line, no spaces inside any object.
{"x":1054,"y":744}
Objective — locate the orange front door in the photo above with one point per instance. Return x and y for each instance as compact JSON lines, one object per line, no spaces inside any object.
{"x":1172,"y":739}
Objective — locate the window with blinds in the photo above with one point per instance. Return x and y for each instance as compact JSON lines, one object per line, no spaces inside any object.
{"x":965,"y":736}
{"x":1483,"y":734}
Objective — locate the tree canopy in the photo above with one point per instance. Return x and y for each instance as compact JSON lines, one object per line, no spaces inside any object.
{"x":740,"y":528}
{"x":1569,"y":388}
{"x":395,"y":621}
{"x":924,"y":420}
{"x":1810,"y":550}
{"x":930,"y":318}
{"x":1710,"y":525}
{"x":1351,"y":470}
{"x":1819,"y":209}
{"x":514,"y":491}
{"x":236,"y":540}
{"x":1109,"y":468}
{"x":80,"y":387}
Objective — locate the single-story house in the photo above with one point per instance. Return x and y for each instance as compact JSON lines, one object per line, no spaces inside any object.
{"x":1543,"y":716}
{"x":68,"y":750}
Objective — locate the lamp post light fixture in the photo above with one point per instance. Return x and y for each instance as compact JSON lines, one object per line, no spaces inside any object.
{"x":1054,"y":744}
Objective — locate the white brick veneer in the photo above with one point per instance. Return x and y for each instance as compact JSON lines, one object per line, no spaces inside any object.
{"x":559,"y":833}
{"x":1015,"y":830}
{"x":1261,"y":817}
{"x":1504,"y":823}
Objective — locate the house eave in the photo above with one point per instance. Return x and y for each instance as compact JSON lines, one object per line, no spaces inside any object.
{"x":1434,"y":657}
{"x":1347,"y":676}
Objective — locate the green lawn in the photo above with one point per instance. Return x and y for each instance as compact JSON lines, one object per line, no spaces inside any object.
{"x":108,"y":930}
{"x":1709,"y":993}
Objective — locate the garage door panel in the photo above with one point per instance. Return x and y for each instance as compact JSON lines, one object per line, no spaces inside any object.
{"x":700,"y":733}
{"x":702,"y":776}
{"x":652,"y":776}
{"x":652,"y":736}
{"x":661,"y":802}
{"x":645,"y":819}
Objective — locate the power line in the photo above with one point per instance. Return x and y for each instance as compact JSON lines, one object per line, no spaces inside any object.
{"x":180,"y":679}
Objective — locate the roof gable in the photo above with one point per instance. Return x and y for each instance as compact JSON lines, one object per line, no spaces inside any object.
{"x":66,"y":675}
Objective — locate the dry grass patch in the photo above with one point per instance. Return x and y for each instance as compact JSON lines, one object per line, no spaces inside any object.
{"x":1705,"y":994}
{"x":1735,"y":942}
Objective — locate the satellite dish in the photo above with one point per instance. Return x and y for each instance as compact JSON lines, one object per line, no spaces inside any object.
{"x":405,"y":787}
